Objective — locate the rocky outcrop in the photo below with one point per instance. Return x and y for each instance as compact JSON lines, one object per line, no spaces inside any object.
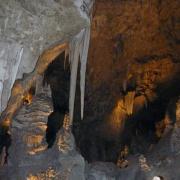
{"x":134,"y":46}
{"x":28,"y":28}
{"x":29,"y":157}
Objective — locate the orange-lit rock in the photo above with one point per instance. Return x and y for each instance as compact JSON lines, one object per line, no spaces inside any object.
{"x":133,"y":48}
{"x":27,"y":99}
{"x":21,"y":87}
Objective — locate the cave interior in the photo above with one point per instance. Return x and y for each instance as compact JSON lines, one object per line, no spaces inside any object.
{"x":132,"y":83}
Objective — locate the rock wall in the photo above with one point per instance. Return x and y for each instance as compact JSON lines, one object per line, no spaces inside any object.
{"x":27,"y":28}
{"x":134,"y":47}
{"x":133,"y":62}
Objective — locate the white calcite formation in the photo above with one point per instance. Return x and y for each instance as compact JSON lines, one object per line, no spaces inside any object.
{"x":156,"y":178}
{"x":79,"y":52}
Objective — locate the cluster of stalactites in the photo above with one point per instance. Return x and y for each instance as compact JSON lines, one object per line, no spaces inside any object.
{"x":78,"y":53}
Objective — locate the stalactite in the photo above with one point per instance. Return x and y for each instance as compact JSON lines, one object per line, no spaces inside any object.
{"x":74,"y":60}
{"x":1,"y":89}
{"x":78,"y":51}
{"x":83,"y":67}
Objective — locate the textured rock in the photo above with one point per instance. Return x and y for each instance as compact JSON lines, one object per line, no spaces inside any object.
{"x":178,"y":113}
{"x":134,"y":48}
{"x":134,"y":44}
{"x":27,"y":28}
{"x":29,"y":157}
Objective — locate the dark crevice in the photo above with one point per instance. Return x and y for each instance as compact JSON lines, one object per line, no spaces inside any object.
{"x":57,"y":76}
{"x":55,"y":122}
{"x":5,"y":143}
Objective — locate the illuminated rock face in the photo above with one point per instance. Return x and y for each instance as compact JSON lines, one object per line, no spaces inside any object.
{"x":134,"y":50}
{"x":27,"y":29}
{"x":134,"y":46}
